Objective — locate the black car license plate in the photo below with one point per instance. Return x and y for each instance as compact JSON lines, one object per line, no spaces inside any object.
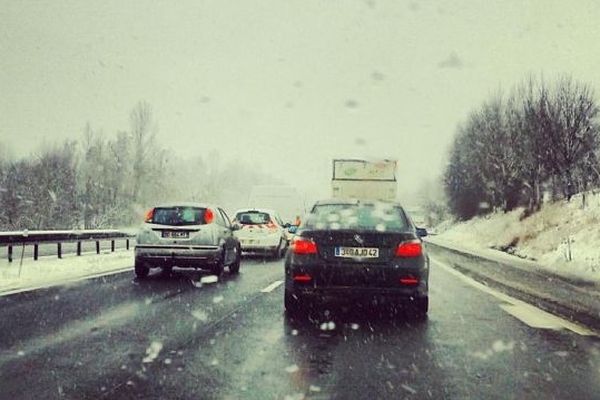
{"x":357,"y":252}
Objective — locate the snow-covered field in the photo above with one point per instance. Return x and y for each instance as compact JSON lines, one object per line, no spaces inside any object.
{"x":49,"y":271}
{"x":563,"y":237}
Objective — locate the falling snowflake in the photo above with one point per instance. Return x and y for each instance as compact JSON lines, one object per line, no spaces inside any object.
{"x":291,"y":369}
{"x":152,"y":352}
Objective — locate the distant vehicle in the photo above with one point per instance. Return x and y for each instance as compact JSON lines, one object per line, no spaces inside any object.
{"x":261,"y":231}
{"x":350,"y":250}
{"x":363,"y":179}
{"x":292,"y":228}
{"x":187,"y":235}
{"x":285,"y":199}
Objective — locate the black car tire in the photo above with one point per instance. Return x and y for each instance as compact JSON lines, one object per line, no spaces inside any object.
{"x":141,"y":270}
{"x":292,"y":305}
{"x":234,"y":268}
{"x":282,"y":248}
{"x":279,"y":251}
{"x":219,"y":266}
{"x":217,"y":269}
{"x":420,"y":307}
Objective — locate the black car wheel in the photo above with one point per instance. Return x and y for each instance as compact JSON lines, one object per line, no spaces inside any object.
{"x":217,"y":269}
{"x":282,"y":248}
{"x":234,"y":268}
{"x":219,"y":266}
{"x":420,"y":307}
{"x":292,"y":303}
{"x":141,"y":270}
{"x":279,"y":251}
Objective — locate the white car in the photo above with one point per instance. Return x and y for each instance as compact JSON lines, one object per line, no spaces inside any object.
{"x":261,"y":231}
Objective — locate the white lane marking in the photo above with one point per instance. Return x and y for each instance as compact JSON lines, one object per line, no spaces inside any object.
{"x":533,"y":319}
{"x":525,"y":312}
{"x":272,"y":287}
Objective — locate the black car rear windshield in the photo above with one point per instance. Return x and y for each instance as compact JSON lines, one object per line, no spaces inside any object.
{"x":252,"y":218}
{"x":380,"y":217}
{"x":178,"y":216}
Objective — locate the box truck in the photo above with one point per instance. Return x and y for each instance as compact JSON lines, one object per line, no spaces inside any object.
{"x":364,"y":179}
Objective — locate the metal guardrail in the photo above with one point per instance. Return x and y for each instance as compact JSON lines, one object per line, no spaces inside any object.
{"x":35,"y":238}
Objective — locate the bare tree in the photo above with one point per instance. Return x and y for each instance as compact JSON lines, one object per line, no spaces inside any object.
{"x":432,"y":200}
{"x":569,"y":120}
{"x":527,"y":121}
{"x":463,"y":184}
{"x":507,"y":151}
{"x":92,"y":177}
{"x":143,"y":142}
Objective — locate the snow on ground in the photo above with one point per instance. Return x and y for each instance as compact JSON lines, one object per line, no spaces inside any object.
{"x":50,"y":270}
{"x":563,"y":237}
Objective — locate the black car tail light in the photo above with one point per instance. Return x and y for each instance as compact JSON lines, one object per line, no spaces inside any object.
{"x":410,"y":249}
{"x":409,"y":280}
{"x":302,"y":278}
{"x":303,"y":246}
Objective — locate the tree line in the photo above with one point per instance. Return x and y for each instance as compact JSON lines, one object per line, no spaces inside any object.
{"x":102,"y":182}
{"x":541,"y":139}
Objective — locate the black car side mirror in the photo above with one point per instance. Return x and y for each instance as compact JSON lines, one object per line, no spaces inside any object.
{"x":421,"y":232}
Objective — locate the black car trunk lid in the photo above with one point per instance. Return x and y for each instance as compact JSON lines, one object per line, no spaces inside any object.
{"x":338,"y":271}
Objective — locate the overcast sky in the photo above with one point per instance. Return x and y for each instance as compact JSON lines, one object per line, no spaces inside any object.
{"x":291,"y":84}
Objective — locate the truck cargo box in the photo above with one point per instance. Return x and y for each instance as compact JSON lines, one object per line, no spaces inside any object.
{"x":364,"y":179}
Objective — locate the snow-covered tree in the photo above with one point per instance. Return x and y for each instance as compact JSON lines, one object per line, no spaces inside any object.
{"x":509,"y":150}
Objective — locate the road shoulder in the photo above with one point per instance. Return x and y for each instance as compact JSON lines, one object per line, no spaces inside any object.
{"x":570,"y":299}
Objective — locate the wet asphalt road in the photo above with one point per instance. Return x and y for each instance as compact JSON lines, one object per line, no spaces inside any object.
{"x":164,"y":338}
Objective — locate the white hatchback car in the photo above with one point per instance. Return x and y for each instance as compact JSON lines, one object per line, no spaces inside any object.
{"x":261,"y":231}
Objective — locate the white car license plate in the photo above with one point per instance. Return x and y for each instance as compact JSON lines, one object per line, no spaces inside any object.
{"x":175,"y":234}
{"x":357,"y":252}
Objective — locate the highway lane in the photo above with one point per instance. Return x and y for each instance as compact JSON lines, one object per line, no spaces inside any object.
{"x":167,"y":338}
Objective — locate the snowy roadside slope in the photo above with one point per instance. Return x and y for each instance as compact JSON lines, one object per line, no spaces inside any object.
{"x":50,"y":271}
{"x":547,"y":238}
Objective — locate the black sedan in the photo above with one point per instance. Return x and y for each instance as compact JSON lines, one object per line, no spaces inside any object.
{"x":353,"y":250}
